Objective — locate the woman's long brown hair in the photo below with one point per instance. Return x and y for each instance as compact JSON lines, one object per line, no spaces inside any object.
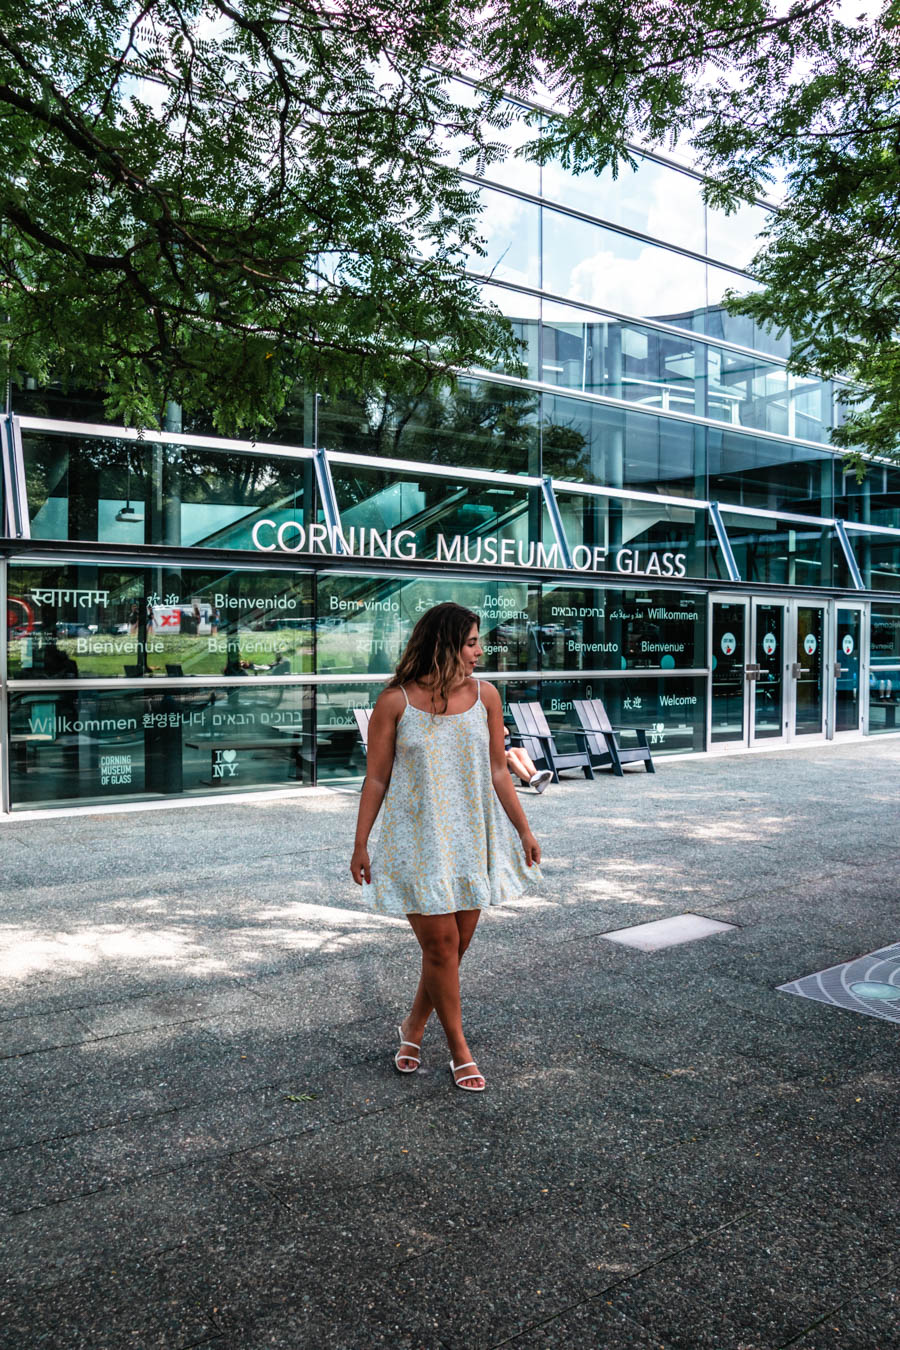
{"x":433,"y":655}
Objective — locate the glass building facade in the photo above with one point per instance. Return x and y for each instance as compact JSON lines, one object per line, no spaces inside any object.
{"x":645,"y":510}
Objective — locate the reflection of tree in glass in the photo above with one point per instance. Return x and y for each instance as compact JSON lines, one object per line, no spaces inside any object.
{"x":85,"y":471}
{"x":57,"y":466}
{"x":241,"y":480}
{"x":564,"y":451}
{"x":483,"y":425}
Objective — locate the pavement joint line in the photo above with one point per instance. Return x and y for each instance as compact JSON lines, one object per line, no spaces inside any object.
{"x":805,"y":1128}
{"x":635,"y":1274}
{"x":92,"y":1130}
{"x":205,"y":1159}
{"x":486,"y":1227}
{"x":646,"y":1333}
{"x":46,"y":1049}
{"x":838,"y":1308}
{"x":237,"y":983}
{"x":467,"y":1226}
{"x":131,"y":1118}
{"x":240,"y":1154}
{"x":91,"y":1039}
{"x":229,"y":983}
{"x":75,"y":1008}
{"x":457,"y":1239}
{"x":198,"y":1102}
{"x":192,"y":1103}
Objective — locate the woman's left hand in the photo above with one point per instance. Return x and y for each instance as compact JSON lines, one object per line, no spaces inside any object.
{"x":532,"y":848}
{"x":360,"y":869}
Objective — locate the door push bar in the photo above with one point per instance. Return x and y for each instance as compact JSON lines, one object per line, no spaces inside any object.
{"x":751,"y":672}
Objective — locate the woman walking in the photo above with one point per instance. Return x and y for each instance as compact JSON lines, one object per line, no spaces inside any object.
{"x":436,"y":760}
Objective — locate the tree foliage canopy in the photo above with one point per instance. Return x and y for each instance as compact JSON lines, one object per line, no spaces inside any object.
{"x":830,"y":265}
{"x":211,"y":200}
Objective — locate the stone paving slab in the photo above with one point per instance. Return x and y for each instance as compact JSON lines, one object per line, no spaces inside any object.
{"x":119,"y":1226}
{"x":45,"y":1031}
{"x":204,"y":1142}
{"x":586,"y":1326}
{"x":866,"y":1322}
{"x":774,"y":1274}
{"x":69,"y":1316}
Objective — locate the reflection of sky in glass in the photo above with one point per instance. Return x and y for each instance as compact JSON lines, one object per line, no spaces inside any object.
{"x":719,"y":281}
{"x":516,"y":172}
{"x":653,"y":199}
{"x":660,"y":200}
{"x":509,"y":229}
{"x":515,"y":304}
{"x":587,"y":262}
{"x":511,"y":169}
{"x":733,"y":238}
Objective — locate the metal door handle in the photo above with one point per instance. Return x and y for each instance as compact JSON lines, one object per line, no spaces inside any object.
{"x":838,"y":671}
{"x":797,"y":670}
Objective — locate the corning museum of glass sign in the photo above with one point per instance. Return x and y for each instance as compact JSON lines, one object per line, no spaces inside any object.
{"x":650,"y":515}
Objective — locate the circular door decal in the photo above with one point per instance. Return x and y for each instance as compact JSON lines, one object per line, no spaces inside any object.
{"x":769,"y":644}
{"x":19,"y":616}
{"x":847,"y":644}
{"x":729,"y":644}
{"x":810,"y":644}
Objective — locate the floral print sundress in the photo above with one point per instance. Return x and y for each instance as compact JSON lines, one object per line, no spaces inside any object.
{"x":446,"y":843}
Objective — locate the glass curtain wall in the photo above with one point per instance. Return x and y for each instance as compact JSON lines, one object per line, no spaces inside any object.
{"x":85,"y":744}
{"x":104,"y":489}
{"x":236,"y":658}
{"x":102,"y":621}
{"x":884,"y":668}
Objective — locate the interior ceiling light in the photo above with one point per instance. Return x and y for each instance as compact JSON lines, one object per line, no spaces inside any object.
{"x":128,"y":514}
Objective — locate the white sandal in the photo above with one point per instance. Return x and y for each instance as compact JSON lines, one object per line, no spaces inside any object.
{"x":399,"y":1055}
{"x":467,"y":1077}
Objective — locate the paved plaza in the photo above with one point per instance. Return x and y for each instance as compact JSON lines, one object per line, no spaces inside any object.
{"x":204,"y":1142}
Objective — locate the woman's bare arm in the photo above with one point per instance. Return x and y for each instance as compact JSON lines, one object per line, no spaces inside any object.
{"x":503,"y":784}
{"x":379,"y":766}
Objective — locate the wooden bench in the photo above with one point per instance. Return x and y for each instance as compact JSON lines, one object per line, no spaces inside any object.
{"x":534,"y":735}
{"x":603,"y":738}
{"x":363,"y":717}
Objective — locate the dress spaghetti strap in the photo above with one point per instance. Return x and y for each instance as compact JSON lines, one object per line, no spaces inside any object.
{"x":478,"y":686}
{"x":405,"y":694}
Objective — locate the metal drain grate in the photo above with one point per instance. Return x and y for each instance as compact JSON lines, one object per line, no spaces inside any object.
{"x":869,"y":984}
{"x":653,"y":936}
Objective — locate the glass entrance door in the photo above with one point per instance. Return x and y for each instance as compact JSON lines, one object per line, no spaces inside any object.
{"x":808,"y":669}
{"x":848,"y":632}
{"x":728,"y":683}
{"x":767,"y":670}
{"x":784,"y":671}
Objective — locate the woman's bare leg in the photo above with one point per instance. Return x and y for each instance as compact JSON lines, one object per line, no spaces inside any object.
{"x":520,"y":764}
{"x":464,"y":922}
{"x":526,"y":761}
